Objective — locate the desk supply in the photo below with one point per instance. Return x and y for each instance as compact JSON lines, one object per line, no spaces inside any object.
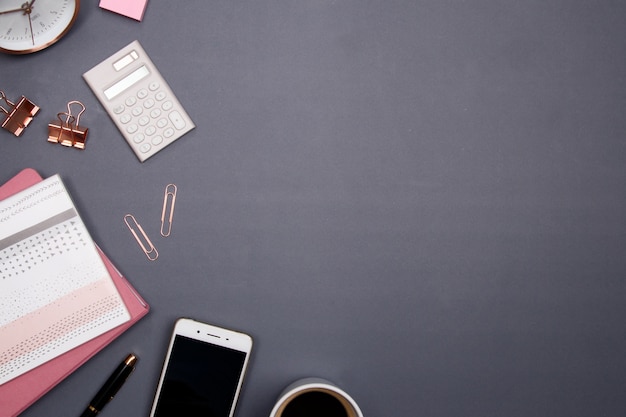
{"x":35,"y":26}
{"x":55,"y":291}
{"x":140,"y":236}
{"x":139,"y":100}
{"x":203,"y":371}
{"x":19,"y":393}
{"x":111,"y":386}
{"x":169,"y":201}
{"x":68,"y":132}
{"x":18,"y":116}
{"x":129,"y":8}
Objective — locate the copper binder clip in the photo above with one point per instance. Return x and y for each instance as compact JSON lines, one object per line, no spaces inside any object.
{"x":18,"y":116}
{"x":169,"y":200}
{"x":68,"y":132}
{"x":141,"y":237}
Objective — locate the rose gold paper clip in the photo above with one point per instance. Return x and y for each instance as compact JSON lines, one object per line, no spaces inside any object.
{"x":143,"y":240}
{"x":169,"y":200}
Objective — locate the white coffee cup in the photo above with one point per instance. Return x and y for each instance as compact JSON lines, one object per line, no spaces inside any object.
{"x":315,"y":389}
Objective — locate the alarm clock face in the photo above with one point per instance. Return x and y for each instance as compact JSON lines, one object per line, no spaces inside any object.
{"x":31,"y":25}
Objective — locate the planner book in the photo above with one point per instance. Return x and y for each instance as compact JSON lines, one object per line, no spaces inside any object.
{"x":50,"y":326}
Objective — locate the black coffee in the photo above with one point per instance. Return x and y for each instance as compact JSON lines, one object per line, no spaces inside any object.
{"x":315,"y":404}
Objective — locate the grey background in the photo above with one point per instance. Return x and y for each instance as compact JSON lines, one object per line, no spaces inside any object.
{"x":422,"y":201}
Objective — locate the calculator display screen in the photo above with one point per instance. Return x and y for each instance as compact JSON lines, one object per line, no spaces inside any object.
{"x":126,"y":82}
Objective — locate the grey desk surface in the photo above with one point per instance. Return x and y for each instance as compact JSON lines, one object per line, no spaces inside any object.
{"x":423,"y":201}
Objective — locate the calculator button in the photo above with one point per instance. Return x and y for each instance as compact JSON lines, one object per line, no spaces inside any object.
{"x":168,"y":133}
{"x":148,"y":103}
{"x":118,"y":109}
{"x":138,"y":138}
{"x":143,"y":120}
{"x":177,"y":120}
{"x":167,"y":105}
{"x":143,"y":93}
{"x":161,"y":123}
{"x":150,"y":130}
{"x":130,"y":101}
{"x":154,"y":86}
{"x":145,"y":148}
{"x":132,"y":128}
{"x":155,"y":113}
{"x":157,"y":140}
{"x":125,"y":118}
{"x":137,"y":111}
{"x":160,"y":96}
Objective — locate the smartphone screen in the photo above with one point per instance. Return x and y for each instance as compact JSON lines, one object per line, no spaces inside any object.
{"x":200,"y":378}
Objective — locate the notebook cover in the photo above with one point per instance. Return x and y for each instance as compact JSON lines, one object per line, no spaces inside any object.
{"x":19,"y":393}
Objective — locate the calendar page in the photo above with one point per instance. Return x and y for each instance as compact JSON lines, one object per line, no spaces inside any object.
{"x":55,"y":291}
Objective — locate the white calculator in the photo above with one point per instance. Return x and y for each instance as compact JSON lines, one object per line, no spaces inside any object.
{"x":139,"y":101}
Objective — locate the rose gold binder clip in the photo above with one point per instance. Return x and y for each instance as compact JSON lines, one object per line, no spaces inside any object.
{"x":68,"y":132}
{"x":169,"y":201}
{"x":141,"y":237}
{"x":18,"y":116}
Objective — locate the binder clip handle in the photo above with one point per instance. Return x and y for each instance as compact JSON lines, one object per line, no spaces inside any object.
{"x":69,"y":110}
{"x":69,"y":119}
{"x":4,"y":98}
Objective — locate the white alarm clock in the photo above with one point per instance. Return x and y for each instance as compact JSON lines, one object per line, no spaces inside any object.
{"x":30,"y":26}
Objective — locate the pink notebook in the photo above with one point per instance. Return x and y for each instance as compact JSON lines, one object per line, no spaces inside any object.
{"x":19,"y":393}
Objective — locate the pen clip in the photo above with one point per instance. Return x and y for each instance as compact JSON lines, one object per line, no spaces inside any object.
{"x":142,"y":239}
{"x":169,"y":200}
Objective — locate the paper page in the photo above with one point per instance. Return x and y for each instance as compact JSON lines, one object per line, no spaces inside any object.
{"x":55,"y":291}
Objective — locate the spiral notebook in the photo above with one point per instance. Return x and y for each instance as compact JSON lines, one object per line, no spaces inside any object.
{"x":21,"y":391}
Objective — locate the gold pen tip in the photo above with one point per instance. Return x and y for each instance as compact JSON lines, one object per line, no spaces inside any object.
{"x":131,"y":359}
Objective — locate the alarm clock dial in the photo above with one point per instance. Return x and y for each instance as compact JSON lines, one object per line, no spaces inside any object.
{"x":29,"y":26}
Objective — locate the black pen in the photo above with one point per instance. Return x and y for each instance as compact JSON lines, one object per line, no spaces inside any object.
{"x":110,"y":388}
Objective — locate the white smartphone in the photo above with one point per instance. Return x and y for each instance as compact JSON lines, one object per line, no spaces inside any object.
{"x":203,"y":371}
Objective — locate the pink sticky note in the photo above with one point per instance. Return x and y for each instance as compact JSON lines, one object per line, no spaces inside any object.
{"x":130,"y":8}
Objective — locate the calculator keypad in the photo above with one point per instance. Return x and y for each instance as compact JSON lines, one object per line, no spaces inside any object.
{"x":148,"y":116}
